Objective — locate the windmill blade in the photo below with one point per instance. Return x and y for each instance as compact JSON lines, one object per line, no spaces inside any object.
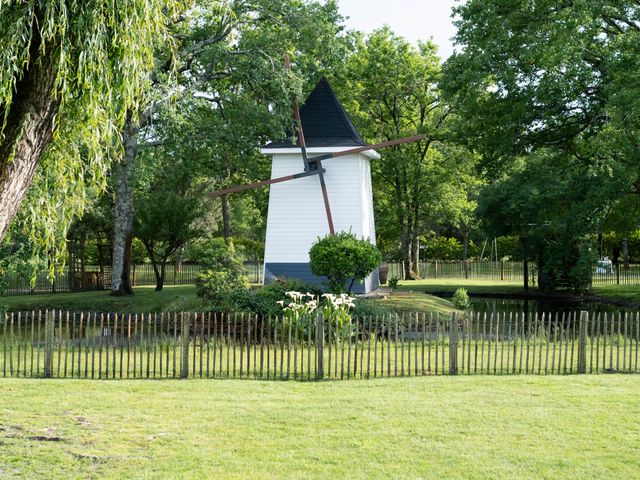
{"x":366,"y":148}
{"x":263,"y":183}
{"x":325,"y":198}
{"x":305,"y":158}
{"x":319,"y":171}
{"x":296,"y":114}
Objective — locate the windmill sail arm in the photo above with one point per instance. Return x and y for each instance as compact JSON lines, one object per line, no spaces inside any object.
{"x":366,"y":148}
{"x":263,"y":183}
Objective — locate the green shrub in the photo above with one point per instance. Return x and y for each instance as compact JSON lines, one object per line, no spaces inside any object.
{"x":393,"y":282}
{"x":461,"y":299}
{"x":343,"y":259}
{"x":223,"y":278}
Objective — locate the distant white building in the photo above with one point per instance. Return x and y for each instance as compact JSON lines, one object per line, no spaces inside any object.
{"x":296,"y":217}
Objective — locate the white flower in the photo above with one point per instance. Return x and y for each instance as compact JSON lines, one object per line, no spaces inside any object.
{"x":294,"y":295}
{"x":311,"y":295}
{"x":280,"y":302}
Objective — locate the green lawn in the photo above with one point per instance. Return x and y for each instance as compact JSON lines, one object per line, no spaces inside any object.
{"x":629,"y":293}
{"x":178,"y":298}
{"x":448,"y":427}
{"x":416,"y":302}
{"x":145,"y":300}
{"x":451,"y":285}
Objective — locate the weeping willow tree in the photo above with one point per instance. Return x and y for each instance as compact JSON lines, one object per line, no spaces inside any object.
{"x":70,"y":73}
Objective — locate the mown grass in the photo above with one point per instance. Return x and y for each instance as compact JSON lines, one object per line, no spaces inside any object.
{"x":446,"y":427}
{"x":416,"y":302}
{"x":178,"y":298}
{"x":145,"y":300}
{"x":629,"y":293}
{"x":451,"y":285}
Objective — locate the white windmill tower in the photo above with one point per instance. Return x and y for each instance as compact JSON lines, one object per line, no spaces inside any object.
{"x":303,"y":209}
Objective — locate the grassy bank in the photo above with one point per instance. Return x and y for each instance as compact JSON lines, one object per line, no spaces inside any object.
{"x":626,"y":293}
{"x":464,"y":427}
{"x":180,"y":298}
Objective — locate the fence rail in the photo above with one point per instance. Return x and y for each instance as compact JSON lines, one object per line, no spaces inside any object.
{"x":141,"y":275}
{"x":508,"y":271}
{"x":205,"y":345}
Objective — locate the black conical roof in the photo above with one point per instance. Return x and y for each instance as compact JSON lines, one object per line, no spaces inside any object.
{"x":324,"y":121}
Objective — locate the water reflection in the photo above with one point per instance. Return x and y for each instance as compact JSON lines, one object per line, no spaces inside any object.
{"x":539,"y":305}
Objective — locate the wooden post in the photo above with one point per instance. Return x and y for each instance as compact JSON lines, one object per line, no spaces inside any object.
{"x":320,"y":345}
{"x":582,"y":342}
{"x":185,"y":330}
{"x":48,"y":343}
{"x":453,"y":345}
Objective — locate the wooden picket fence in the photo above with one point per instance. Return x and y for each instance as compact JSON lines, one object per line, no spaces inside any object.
{"x":54,"y":344}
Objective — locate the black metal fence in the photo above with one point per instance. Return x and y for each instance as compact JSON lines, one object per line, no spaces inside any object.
{"x":509,"y":271}
{"x":141,"y":275}
{"x":205,"y":345}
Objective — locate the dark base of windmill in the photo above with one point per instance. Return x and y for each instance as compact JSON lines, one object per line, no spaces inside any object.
{"x":302,"y":271}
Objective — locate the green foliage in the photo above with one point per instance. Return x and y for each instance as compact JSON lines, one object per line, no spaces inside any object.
{"x":461,"y":300}
{"x":612,"y":240}
{"x":546,"y":94}
{"x":393,"y":282}
{"x":554,"y":208}
{"x":389,"y":87}
{"x":223,"y":281}
{"x":103,"y":53}
{"x":265,"y":300}
{"x":566,"y":263}
{"x":250,"y":249}
{"x":343,"y":259}
{"x":446,"y":248}
{"x":235,"y":93}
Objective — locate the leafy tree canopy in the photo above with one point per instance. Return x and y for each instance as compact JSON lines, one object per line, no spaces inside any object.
{"x":86,"y":64}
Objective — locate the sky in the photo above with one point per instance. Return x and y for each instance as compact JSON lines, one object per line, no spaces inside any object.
{"x":413,"y":19}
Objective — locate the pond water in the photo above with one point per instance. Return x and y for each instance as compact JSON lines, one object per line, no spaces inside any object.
{"x":539,"y":305}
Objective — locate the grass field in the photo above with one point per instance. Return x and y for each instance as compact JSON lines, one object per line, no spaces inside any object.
{"x":630,"y":293}
{"x":146,"y":299}
{"x":178,"y":298}
{"x":482,"y":427}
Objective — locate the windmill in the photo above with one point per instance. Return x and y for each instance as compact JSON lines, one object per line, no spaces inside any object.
{"x":335,"y":168}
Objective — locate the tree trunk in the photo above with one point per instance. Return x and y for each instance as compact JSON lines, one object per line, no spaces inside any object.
{"x":123,"y":214}
{"x":415,"y":255}
{"x":177,"y":268}
{"x":525,"y":254}
{"x":160,"y":277}
{"x":29,"y":129}
{"x":625,"y":252}
{"x":226,"y":217}
{"x":465,"y":252}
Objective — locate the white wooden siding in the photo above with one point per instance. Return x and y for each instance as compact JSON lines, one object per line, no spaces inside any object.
{"x":296,"y":216}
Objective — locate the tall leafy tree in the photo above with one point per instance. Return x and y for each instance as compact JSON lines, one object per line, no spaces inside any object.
{"x":391,"y":89}
{"x":69,"y":72}
{"x":554,"y":85}
{"x":236,"y":91}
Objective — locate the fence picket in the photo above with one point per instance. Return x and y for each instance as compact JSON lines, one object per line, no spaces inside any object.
{"x":128,"y":347}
